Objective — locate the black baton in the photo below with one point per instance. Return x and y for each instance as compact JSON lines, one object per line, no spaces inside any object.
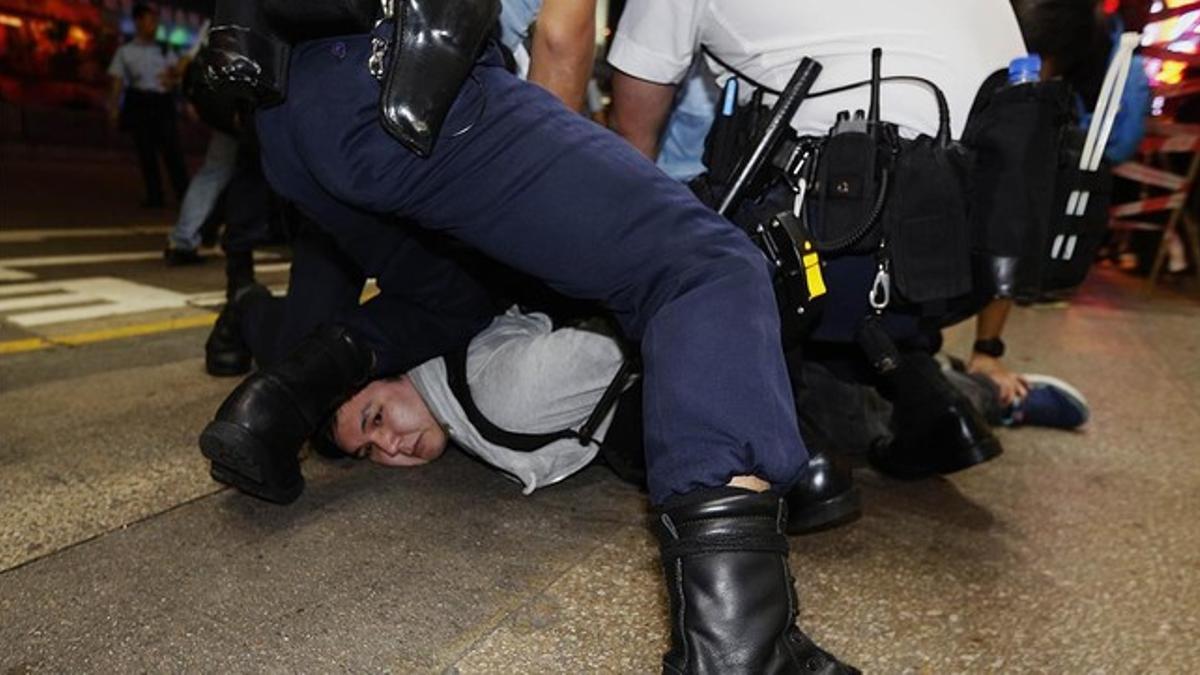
{"x":781,"y":115}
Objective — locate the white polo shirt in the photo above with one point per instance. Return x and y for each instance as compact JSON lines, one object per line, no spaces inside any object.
{"x":141,"y":65}
{"x":954,"y":43}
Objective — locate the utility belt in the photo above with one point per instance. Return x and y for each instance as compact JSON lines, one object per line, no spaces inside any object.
{"x":421,"y":60}
{"x":949,"y":225}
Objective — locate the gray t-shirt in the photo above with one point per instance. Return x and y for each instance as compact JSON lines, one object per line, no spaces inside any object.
{"x":527,"y":377}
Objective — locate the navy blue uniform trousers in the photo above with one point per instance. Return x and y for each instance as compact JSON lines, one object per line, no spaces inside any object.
{"x":547,"y":192}
{"x":429,"y":305}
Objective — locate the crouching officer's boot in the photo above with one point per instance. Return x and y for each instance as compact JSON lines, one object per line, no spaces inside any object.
{"x":255,"y":439}
{"x":733,"y":608}
{"x":938,"y":430}
{"x":824,"y":497}
{"x":225,"y":352}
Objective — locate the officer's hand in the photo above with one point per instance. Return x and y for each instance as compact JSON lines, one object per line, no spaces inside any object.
{"x":1011,"y":385}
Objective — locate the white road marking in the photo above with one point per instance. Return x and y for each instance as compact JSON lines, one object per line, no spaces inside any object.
{"x":78,"y":259}
{"x":100,"y":258}
{"x":100,"y":297}
{"x":268,"y":268}
{"x":33,"y":236}
{"x":7,"y":273}
{"x":15,"y":275}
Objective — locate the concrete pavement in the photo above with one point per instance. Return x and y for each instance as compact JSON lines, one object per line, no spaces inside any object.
{"x":1071,"y":553}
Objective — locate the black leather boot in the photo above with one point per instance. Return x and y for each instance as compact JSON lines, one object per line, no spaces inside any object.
{"x":225,"y":352}
{"x":937,"y":428}
{"x":733,"y":607}
{"x":824,"y":497}
{"x":239,"y":272}
{"x":254,"y":441}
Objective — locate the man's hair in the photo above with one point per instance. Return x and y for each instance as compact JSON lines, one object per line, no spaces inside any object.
{"x":323,"y":442}
{"x":141,"y":9}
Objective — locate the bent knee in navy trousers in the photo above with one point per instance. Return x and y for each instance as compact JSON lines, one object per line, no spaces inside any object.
{"x":543,"y":190}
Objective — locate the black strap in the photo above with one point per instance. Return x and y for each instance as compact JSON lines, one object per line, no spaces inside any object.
{"x":611,"y":394}
{"x":456,"y":377}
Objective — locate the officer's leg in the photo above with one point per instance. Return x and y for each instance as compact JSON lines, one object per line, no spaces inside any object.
{"x":248,"y":204}
{"x":550,"y":194}
{"x":555,"y":196}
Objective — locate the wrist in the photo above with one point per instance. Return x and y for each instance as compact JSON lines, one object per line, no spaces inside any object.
{"x":991,"y":347}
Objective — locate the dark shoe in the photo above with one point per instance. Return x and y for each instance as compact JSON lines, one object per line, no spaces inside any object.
{"x":733,"y":607}
{"x":824,"y":497}
{"x":178,"y":257}
{"x":254,"y":441}
{"x":937,"y":429}
{"x":225,"y":352}
{"x":958,"y":439}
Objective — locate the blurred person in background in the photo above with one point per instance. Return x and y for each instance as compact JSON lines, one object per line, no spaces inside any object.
{"x":220,"y":162}
{"x":145,"y":73}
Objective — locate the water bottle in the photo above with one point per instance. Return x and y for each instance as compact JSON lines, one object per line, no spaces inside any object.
{"x":1025,"y":69}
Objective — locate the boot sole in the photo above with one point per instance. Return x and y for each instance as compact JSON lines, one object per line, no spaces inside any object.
{"x":225,"y":444}
{"x":232,"y":451}
{"x":837,"y":510}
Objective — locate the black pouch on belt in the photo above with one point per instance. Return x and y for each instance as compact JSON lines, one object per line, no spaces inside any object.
{"x":436,"y":45}
{"x":430,"y":54}
{"x":844,"y":209}
{"x":929,"y":240}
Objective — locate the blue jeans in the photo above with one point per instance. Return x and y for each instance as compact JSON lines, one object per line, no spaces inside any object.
{"x":204,"y":190}
{"x":521,"y":179}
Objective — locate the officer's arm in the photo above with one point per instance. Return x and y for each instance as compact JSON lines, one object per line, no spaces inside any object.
{"x":564,"y":44}
{"x":639,"y":111}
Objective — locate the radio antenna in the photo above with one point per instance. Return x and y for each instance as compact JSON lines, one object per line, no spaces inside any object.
{"x":876,"y":78}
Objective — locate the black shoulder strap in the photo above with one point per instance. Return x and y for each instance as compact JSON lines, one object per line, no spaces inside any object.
{"x":456,"y":377}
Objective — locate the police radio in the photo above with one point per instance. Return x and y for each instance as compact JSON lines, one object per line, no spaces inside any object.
{"x":851,"y":179}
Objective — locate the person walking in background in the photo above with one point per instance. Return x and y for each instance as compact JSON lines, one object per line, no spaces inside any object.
{"x":145,"y":72}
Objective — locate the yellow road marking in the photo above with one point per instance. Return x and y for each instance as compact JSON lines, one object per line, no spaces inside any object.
{"x":135,"y":330}
{"x":29,"y":345}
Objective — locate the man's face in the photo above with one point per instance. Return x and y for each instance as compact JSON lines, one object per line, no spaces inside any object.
{"x":147,"y":26}
{"x":389,"y":423}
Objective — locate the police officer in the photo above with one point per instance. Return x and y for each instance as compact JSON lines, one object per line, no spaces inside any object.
{"x":953,"y":44}
{"x":420,"y":119}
